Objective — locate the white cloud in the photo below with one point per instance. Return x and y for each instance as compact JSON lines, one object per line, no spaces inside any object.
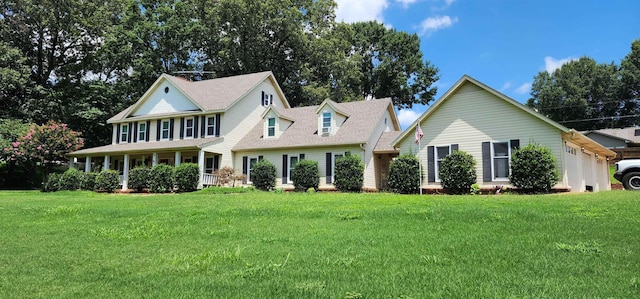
{"x":524,"y":88}
{"x":406,"y":117}
{"x":406,"y":3}
{"x":505,"y":86}
{"x":430,"y":25}
{"x":351,"y":11}
{"x":551,"y":64}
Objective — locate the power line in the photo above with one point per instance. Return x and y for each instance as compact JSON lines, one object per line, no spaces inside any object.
{"x":599,"y":118}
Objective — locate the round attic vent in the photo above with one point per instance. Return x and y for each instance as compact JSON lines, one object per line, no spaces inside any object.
{"x":166,"y":90}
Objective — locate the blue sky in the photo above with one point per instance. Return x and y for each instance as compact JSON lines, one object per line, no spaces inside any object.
{"x":504,"y":43}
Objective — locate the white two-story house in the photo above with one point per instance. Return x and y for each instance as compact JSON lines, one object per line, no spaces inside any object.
{"x":235,"y":121}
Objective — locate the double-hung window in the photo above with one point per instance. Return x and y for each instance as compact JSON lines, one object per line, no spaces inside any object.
{"x":293,"y":160}
{"x":441,"y":152}
{"x":188,"y":127}
{"x":252,"y":163}
{"x":211,"y":125}
{"x":165,"y":127}
{"x":271,"y":127}
{"x":142,"y":132}
{"x":333,"y":166}
{"x":501,"y":155}
{"x":326,"y":123}
{"x":124,"y":133}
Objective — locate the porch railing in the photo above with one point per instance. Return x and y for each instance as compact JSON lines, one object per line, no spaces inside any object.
{"x":209,"y":179}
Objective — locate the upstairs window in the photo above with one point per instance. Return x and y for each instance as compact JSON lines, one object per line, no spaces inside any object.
{"x":326,"y":123}
{"x":142,"y":131}
{"x":271,"y":127}
{"x":124,"y":133}
{"x":267,"y":99}
{"x":188,"y":128}
{"x":211,"y":126}
{"x":164,"y":134}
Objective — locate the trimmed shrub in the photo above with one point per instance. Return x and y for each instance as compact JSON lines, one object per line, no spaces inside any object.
{"x":88,"y":181}
{"x":263,"y":175}
{"x":108,"y":181}
{"x":533,"y":169}
{"x":52,"y":184}
{"x":70,"y":179}
{"x":186,"y":177}
{"x":305,"y":175}
{"x":404,"y":174}
{"x":349,"y":173}
{"x":161,"y":178}
{"x":138,"y":178}
{"x":458,"y":172}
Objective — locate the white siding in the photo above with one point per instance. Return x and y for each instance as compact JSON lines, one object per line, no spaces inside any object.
{"x":160,"y":102}
{"x":472,"y":116}
{"x":369,"y":161}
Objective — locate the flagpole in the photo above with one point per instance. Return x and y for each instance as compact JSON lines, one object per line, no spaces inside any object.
{"x":420,"y":165}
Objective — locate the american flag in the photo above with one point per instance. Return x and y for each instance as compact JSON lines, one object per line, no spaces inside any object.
{"x":419,"y":133}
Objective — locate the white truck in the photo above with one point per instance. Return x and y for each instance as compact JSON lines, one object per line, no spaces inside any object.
{"x":628,"y":172}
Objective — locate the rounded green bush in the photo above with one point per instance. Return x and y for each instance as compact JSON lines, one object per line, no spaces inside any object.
{"x":305,"y":175}
{"x":52,"y":184}
{"x":161,"y":178}
{"x":138,"y":178}
{"x":458,"y":172}
{"x":533,"y":169}
{"x":88,"y":181}
{"x":349,"y":174}
{"x":263,"y":175}
{"x":70,"y":179}
{"x":108,"y":180}
{"x":186,"y":177}
{"x":404,"y":174}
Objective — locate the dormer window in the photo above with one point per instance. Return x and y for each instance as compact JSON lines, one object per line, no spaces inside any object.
{"x":326,"y":123}
{"x":124,"y":133}
{"x":271,"y":127}
{"x":267,"y":99}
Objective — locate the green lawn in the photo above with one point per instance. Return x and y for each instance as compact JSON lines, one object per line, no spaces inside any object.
{"x":321,"y":245}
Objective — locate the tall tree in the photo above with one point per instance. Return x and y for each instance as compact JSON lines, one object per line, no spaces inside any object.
{"x":629,"y":91}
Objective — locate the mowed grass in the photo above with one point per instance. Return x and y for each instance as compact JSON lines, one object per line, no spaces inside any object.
{"x":319,"y":245}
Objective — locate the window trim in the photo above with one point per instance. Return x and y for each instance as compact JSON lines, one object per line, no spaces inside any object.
{"x":124,"y":133}
{"x":493,"y":159}
{"x":325,"y":124}
{"x":163,"y":130}
{"x":250,"y":168}
{"x":211,"y":126}
{"x":290,"y":167}
{"x":436,"y":160}
{"x":192,"y":127}
{"x":142,"y":134}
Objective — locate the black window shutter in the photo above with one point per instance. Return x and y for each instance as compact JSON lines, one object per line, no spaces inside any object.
{"x":486,"y":162}
{"x":285,"y":169}
{"x":328,"y":168}
{"x":171,"y":129}
{"x":262,"y":99}
{"x":454,"y":148}
{"x":216,"y":162}
{"x":244,"y":168}
{"x":148,"y":131}
{"x":118,"y":134}
{"x":129,"y":132}
{"x":203,"y":123}
{"x":431,"y":164}
{"x":133,"y":162}
{"x":196,"y":128}
{"x":194,"y":159}
{"x":515,"y":144}
{"x":260,"y":158}
{"x":135,"y":131}
{"x":218,"y":125}
{"x":182,"y":128}
{"x":301,"y":156}
{"x":158,"y":126}
{"x":116,"y":165}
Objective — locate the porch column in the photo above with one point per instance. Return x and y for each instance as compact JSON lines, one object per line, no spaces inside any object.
{"x":201,"y":166}
{"x":125,"y":172}
{"x":87,"y":164}
{"x":178,"y":158}
{"x":106,"y":163}
{"x":154,"y":159}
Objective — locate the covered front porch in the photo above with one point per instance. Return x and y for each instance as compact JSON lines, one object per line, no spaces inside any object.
{"x":124,"y":157}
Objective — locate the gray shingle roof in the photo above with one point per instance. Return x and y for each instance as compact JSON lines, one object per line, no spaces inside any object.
{"x":357,"y":129}
{"x":385,"y":143}
{"x":624,"y":133}
{"x":212,"y":95}
{"x":145,"y":146}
